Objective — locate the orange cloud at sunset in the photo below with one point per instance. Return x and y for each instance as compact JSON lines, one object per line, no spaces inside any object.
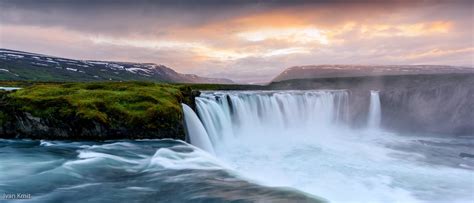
{"x":440,"y":52}
{"x":408,"y":30}
{"x":289,"y":34}
{"x":248,"y":42}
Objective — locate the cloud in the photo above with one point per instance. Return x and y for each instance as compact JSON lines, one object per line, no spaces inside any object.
{"x":299,"y":35}
{"x":243,"y":40}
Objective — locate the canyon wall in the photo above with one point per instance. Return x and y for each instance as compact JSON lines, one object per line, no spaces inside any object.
{"x":440,"y":104}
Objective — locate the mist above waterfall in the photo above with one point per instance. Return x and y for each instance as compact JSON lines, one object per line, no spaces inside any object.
{"x":303,"y":140}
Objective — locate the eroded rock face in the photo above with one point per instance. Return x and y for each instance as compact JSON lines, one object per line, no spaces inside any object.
{"x":441,"y":104}
{"x":447,"y":108}
{"x":24,"y":125}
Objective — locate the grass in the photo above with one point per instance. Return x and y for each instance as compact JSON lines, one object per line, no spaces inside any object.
{"x":111,"y":103}
{"x":224,"y":87}
{"x":16,"y":83}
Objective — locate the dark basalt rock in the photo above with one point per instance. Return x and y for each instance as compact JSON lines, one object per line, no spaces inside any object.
{"x":189,"y":96}
{"x":24,"y":125}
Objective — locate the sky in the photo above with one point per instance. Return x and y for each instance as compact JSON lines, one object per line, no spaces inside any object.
{"x":246,"y":41}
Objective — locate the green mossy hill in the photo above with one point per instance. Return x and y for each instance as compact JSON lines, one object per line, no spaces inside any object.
{"x":225,"y":87}
{"x":97,"y":110}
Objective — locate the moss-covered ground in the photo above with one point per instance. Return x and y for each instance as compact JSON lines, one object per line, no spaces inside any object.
{"x":133,"y":102}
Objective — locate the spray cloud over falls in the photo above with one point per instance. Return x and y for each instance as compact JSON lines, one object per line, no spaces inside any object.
{"x":301,"y":139}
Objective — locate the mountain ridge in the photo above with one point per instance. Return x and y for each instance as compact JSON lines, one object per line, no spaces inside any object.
{"x":345,"y":70}
{"x":20,"y":65}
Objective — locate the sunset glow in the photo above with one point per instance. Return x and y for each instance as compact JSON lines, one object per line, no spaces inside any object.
{"x":223,"y":44}
{"x":292,"y":35}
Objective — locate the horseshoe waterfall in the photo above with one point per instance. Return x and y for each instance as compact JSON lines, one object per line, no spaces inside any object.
{"x":304,"y":140}
{"x":227,"y":116}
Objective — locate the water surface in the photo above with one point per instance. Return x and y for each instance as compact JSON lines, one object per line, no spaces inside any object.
{"x":130,"y":171}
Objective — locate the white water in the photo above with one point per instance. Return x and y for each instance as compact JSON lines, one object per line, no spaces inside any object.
{"x":194,"y":127}
{"x":299,"y":139}
{"x":375,"y":114}
{"x":248,"y":113}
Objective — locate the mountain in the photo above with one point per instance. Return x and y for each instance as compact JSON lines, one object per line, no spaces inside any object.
{"x":337,"y":71}
{"x":19,"y":65}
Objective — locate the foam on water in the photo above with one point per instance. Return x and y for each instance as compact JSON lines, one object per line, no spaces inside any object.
{"x":172,"y":158}
{"x":140,"y":171}
{"x":299,"y":139}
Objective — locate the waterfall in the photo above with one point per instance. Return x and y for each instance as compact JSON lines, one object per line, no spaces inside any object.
{"x":257,"y":114}
{"x":303,"y":140}
{"x":196,"y":132}
{"x":373,"y":121}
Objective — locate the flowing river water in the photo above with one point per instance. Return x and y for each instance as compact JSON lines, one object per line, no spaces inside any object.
{"x":250,"y":146}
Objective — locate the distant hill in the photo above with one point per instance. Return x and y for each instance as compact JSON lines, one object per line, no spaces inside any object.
{"x":336,"y":71}
{"x":18,"y":65}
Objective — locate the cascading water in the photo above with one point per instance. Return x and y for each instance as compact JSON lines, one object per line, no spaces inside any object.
{"x":226,"y":115}
{"x":300,"y":139}
{"x":194,"y":127}
{"x":375,"y":114}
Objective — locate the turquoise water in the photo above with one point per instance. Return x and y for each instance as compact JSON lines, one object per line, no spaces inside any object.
{"x":125,"y":171}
